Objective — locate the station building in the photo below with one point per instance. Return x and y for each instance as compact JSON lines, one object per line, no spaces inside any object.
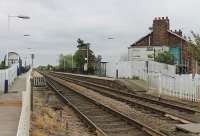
{"x":161,"y":39}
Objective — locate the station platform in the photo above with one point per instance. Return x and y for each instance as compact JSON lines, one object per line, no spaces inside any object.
{"x":10,"y":107}
{"x":90,"y":76}
{"x":132,"y":85}
{"x":192,"y":128}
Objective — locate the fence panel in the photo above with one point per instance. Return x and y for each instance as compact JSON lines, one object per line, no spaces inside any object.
{"x":10,"y":74}
{"x":180,"y":86}
{"x":162,"y":78}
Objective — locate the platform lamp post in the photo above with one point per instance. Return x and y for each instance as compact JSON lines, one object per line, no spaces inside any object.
{"x":26,"y":35}
{"x":20,"y":17}
{"x":6,"y":61}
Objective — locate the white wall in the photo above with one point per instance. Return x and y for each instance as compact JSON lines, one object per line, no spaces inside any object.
{"x":141,"y":53}
{"x":128,"y":69}
{"x":10,"y":74}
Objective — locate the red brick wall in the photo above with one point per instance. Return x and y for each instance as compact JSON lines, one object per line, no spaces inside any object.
{"x":144,"y":41}
{"x":185,"y":53}
{"x":161,"y":37}
{"x":174,"y":41}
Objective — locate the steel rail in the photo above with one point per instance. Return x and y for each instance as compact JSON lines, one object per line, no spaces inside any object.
{"x":132,"y":121}
{"x":95,"y":128}
{"x":127,"y":99}
{"x":141,"y":91}
{"x":170,"y":105}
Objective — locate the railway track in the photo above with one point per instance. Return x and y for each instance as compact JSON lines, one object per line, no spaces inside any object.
{"x":103,"y":82}
{"x":104,"y":120}
{"x":115,"y":85}
{"x":167,"y":111}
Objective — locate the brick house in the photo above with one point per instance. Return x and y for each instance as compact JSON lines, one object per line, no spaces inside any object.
{"x":161,"y":38}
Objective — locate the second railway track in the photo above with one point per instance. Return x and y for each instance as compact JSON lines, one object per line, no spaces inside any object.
{"x":143,"y":106}
{"x":104,"y":120}
{"x":177,"y":112}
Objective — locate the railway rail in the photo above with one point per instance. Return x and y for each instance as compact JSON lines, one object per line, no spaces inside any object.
{"x":116,"y":85}
{"x":104,"y":120}
{"x":145,"y":107}
{"x":164,"y":109}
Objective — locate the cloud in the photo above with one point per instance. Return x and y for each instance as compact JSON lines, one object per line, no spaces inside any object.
{"x":56,"y":25}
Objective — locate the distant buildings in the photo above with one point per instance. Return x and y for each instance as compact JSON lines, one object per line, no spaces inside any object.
{"x":161,"y":39}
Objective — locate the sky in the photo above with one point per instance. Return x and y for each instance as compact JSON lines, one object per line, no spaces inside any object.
{"x":55,"y":25}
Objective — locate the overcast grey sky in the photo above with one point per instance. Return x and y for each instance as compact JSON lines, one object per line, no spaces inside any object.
{"x":55,"y":25}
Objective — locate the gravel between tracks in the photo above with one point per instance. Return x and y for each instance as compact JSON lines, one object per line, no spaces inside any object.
{"x":154,"y":122}
{"x":51,"y":117}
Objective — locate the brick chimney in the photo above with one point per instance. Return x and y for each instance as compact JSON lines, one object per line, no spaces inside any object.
{"x":160,"y":28}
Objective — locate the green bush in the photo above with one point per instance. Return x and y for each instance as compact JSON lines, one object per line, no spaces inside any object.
{"x":135,"y":78}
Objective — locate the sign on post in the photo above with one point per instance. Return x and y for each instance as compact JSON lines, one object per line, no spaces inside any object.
{"x":85,"y":67}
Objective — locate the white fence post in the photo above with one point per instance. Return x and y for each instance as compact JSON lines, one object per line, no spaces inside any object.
{"x":160,"y":82}
{"x":161,"y":77}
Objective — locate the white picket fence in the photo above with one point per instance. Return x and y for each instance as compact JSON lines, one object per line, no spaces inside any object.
{"x":24,"y":122}
{"x":161,"y":78}
{"x":181,"y":86}
{"x":10,"y":74}
{"x":39,"y":81}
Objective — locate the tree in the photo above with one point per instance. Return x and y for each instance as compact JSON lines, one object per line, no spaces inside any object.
{"x":81,"y":44}
{"x":81,"y":55}
{"x":194,"y":50}
{"x":98,"y":59}
{"x":2,"y":65}
{"x":47,"y":67}
{"x":65,"y":62}
{"x":165,"y":57}
{"x":194,"y":47}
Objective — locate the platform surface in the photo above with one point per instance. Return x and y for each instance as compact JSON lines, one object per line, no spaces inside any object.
{"x":134,"y":85}
{"x":90,"y":76}
{"x":193,"y":128}
{"x":10,"y":107}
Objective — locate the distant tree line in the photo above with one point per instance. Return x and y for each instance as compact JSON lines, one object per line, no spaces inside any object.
{"x":78,"y":62}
